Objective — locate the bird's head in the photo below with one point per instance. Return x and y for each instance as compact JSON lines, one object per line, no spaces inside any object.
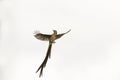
{"x":55,"y":32}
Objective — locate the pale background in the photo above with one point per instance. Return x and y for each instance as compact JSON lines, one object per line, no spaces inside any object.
{"x":91,"y":51}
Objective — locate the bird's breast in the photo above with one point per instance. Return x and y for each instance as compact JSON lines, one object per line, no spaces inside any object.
{"x":53,"y":37}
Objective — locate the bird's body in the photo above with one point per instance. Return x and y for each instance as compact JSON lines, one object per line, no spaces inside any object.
{"x":51,"y":38}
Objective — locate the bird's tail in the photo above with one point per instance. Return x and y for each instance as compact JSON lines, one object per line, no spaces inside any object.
{"x":45,"y":60}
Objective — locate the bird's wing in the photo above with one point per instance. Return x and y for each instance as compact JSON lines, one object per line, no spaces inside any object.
{"x":43,"y":37}
{"x":60,"y":35}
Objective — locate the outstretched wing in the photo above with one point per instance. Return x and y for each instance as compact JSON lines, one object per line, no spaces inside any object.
{"x":60,"y":35}
{"x":43,"y":37}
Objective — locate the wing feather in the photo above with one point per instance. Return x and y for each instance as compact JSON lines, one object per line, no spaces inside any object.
{"x":43,"y":37}
{"x":60,"y":35}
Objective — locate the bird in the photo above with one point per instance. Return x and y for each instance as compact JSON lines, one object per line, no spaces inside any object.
{"x":51,"y":39}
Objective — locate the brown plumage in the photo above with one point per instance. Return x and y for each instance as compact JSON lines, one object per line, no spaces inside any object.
{"x":51,"y":38}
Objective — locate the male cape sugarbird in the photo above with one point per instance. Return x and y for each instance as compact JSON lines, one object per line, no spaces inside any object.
{"x":51,"y":38}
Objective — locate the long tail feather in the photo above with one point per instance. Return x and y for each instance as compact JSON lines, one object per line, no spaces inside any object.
{"x":45,"y":60}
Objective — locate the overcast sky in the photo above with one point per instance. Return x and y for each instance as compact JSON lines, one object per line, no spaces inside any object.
{"x":91,"y":51}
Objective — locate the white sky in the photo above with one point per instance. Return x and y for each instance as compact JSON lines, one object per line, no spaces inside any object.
{"x":91,"y":51}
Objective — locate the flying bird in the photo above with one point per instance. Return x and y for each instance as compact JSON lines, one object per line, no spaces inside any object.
{"x":51,"y":38}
